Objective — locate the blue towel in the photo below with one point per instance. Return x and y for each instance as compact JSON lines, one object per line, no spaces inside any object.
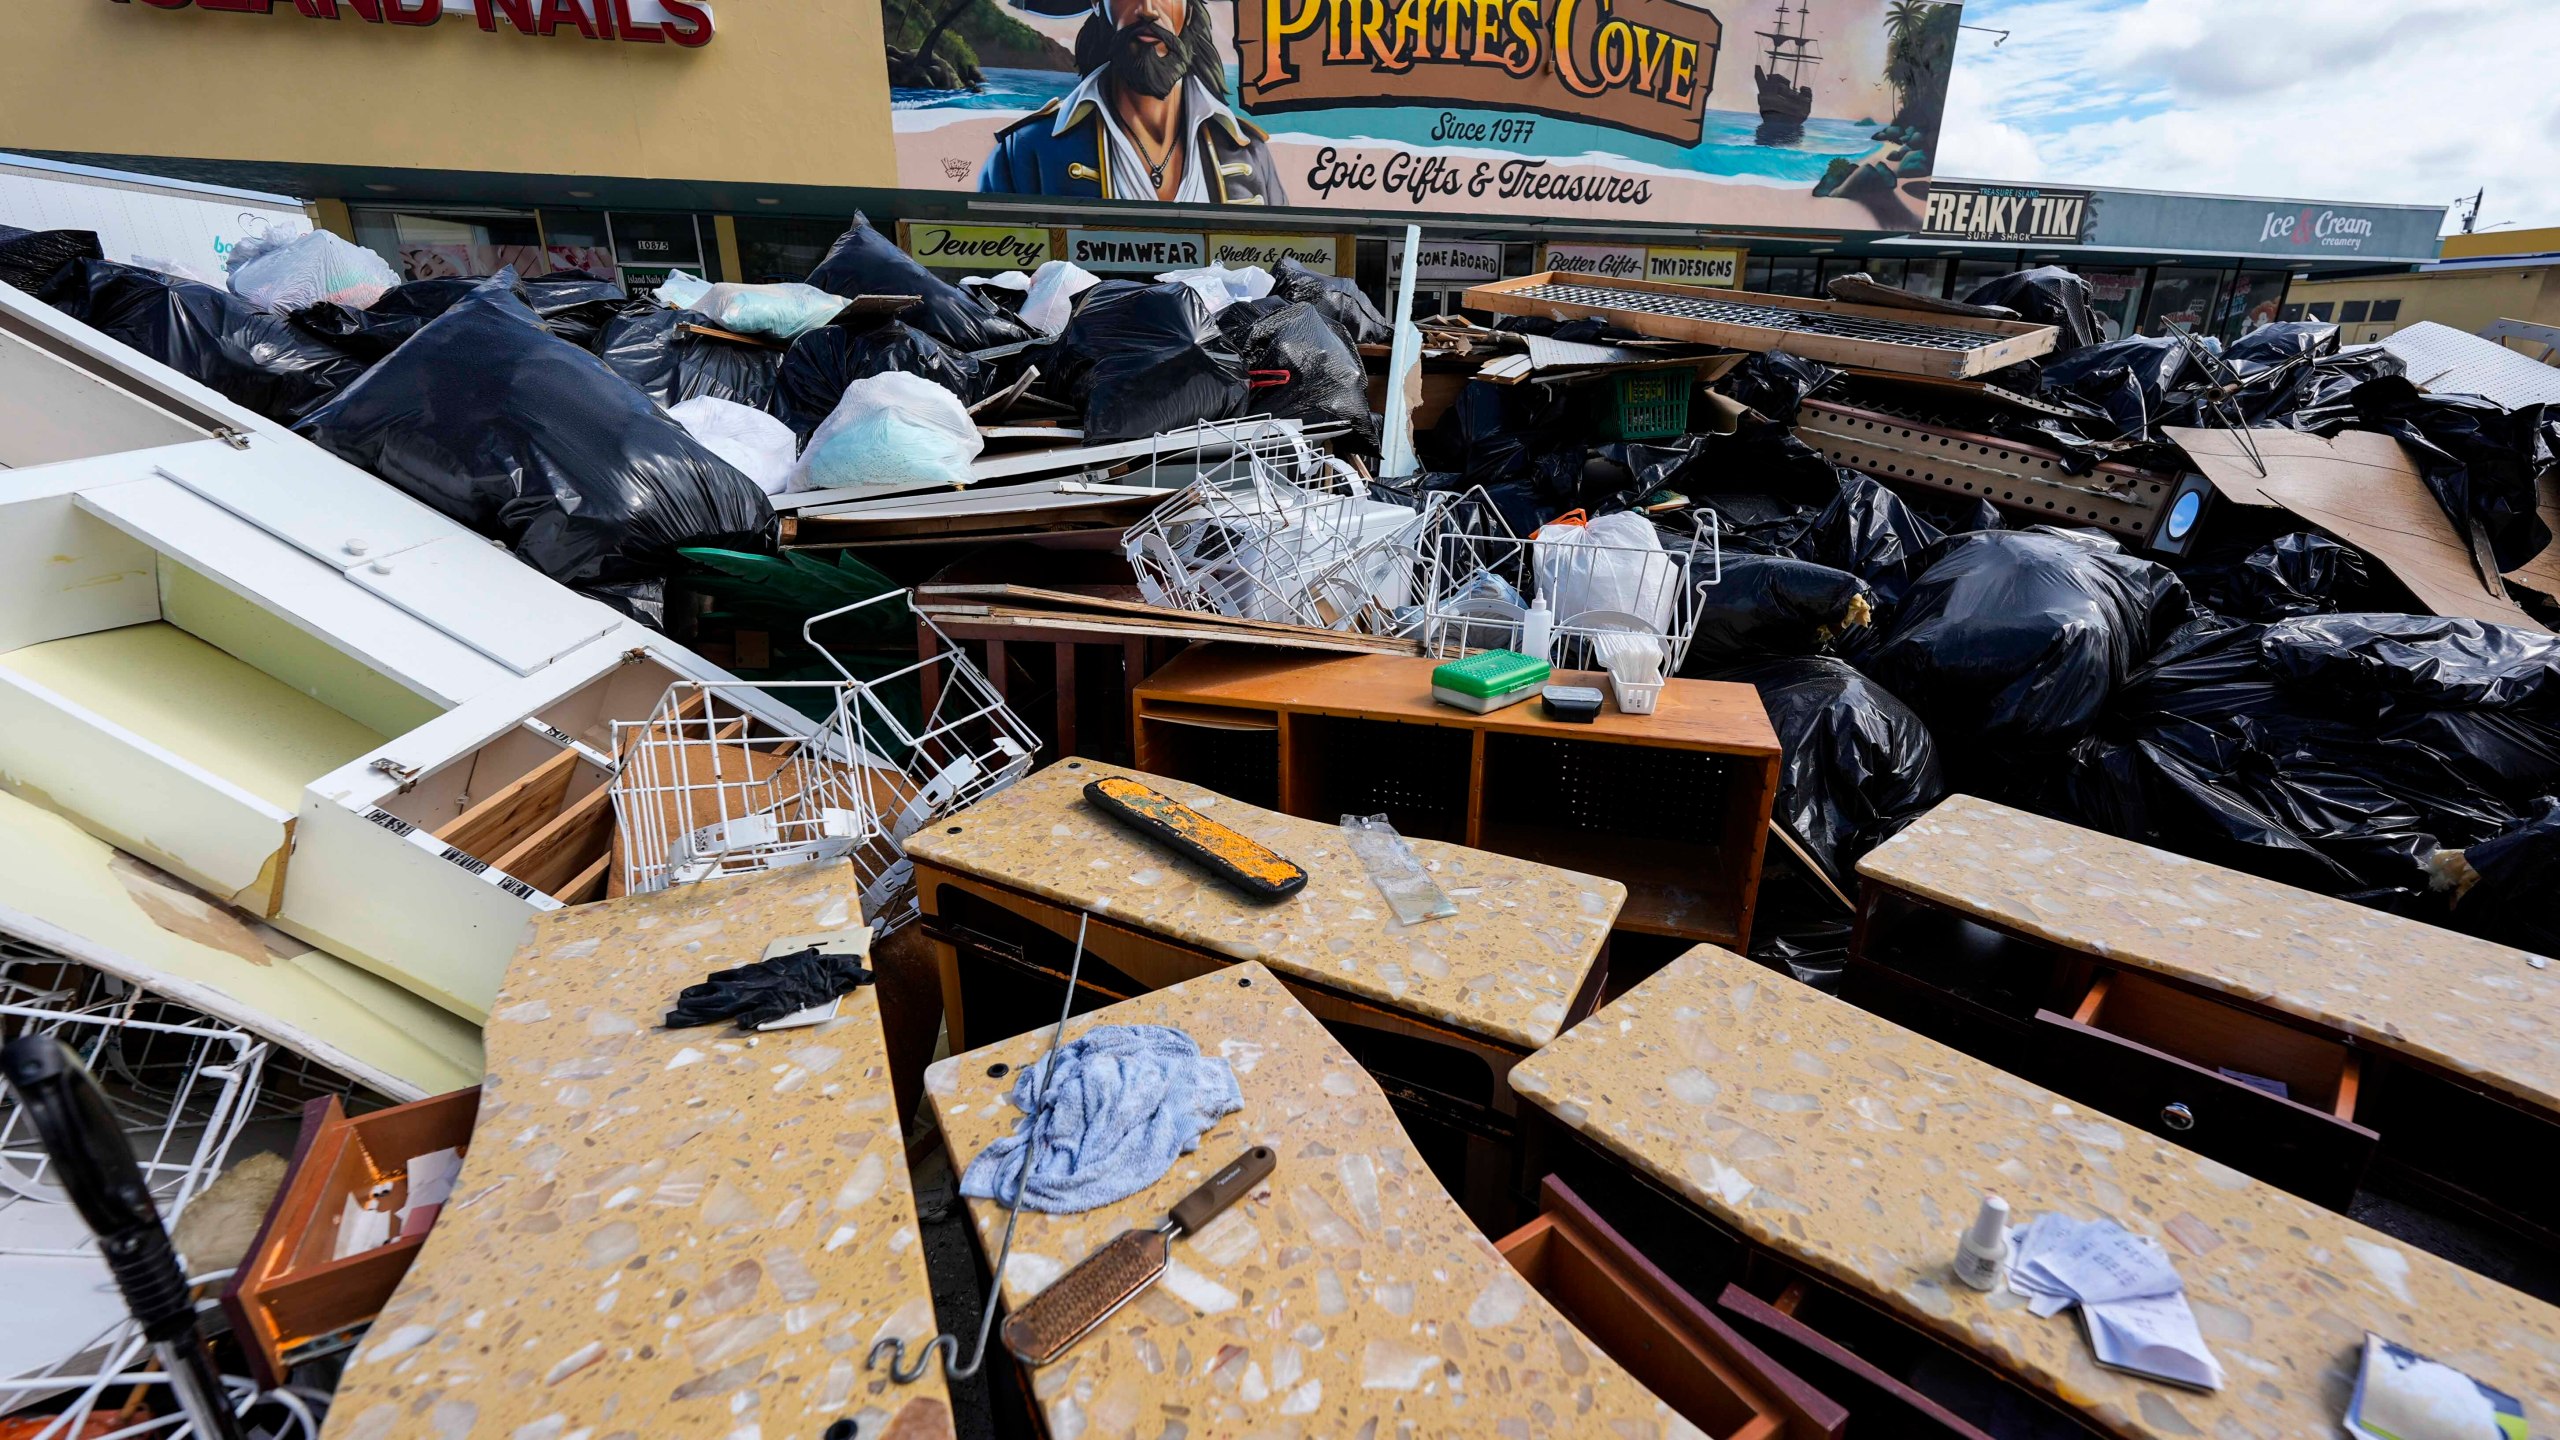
{"x":1120,"y":1104}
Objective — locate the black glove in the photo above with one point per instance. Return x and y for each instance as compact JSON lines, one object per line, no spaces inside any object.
{"x":766,"y":991}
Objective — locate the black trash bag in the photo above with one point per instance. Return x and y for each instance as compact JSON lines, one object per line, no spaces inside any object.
{"x":2481,"y":460}
{"x":527,"y":439}
{"x":1873,"y":534}
{"x":2046,"y":295}
{"x":29,"y":258}
{"x":647,"y":346}
{"x":2295,"y":574}
{"x":1758,"y":457}
{"x":209,"y":335}
{"x":1142,"y":360}
{"x":1774,"y":383}
{"x":1338,"y":297}
{"x":1767,"y":605}
{"x":378,"y":329}
{"x":2503,"y":886}
{"x":865,"y":262}
{"x":1236,"y":322}
{"x":823,"y":362}
{"x":575,"y":305}
{"x":2131,"y":380}
{"x":2328,"y":392}
{"x":1326,"y":382}
{"x":2282,"y":342}
{"x":2437,"y":661}
{"x":1858,"y":763}
{"x":2015,"y":640}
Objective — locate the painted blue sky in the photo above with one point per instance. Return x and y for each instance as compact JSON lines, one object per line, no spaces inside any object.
{"x":2413,"y":101}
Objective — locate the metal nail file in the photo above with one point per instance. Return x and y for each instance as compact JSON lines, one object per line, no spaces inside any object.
{"x":1055,"y":1319}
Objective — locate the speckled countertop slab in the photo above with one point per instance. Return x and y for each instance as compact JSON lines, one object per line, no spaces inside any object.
{"x":2465,"y":1005}
{"x":1505,"y":966}
{"x":1860,"y":1150}
{"x":1349,"y":1296}
{"x":662,"y":1233}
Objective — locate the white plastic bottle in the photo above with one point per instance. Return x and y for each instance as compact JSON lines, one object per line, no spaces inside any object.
{"x":1537,"y":630}
{"x":1982,"y":1256}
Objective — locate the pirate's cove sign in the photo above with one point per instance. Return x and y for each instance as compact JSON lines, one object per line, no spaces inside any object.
{"x":1640,"y":65}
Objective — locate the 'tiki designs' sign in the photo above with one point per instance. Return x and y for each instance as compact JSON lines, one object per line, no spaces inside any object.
{"x":1638,"y":65}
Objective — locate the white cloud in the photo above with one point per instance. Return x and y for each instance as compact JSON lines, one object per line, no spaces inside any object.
{"x":2411,"y":101}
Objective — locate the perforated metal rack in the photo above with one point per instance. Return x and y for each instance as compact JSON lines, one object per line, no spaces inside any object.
{"x":1715,"y":311}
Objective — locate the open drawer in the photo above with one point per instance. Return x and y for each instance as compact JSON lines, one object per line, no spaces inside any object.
{"x":2260,"y":1096}
{"x":1696,"y":1363}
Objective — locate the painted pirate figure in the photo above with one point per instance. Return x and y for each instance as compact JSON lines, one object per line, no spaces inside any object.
{"x":1149,"y":120}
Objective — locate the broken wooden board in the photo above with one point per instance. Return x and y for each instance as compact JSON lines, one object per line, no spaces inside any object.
{"x":664,"y":1232}
{"x":1825,"y":330}
{"x":2541,"y":574}
{"x":2359,"y":487}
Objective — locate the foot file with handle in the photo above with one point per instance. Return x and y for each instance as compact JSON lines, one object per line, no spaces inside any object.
{"x":1241,"y":861}
{"x":1051,"y":1322}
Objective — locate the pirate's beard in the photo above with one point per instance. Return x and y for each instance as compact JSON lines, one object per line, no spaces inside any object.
{"x":1137,"y":64}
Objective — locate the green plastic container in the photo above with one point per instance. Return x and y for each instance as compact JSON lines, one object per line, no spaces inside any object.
{"x":1646,"y":404}
{"x":1488,"y":680}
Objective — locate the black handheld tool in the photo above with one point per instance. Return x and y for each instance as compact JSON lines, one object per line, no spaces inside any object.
{"x":98,"y":1174}
{"x":1240,"y":860}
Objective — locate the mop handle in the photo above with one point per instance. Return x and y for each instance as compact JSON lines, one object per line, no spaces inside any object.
{"x":98,"y":1173}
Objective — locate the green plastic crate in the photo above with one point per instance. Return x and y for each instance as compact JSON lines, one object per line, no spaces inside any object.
{"x":1646,"y":404}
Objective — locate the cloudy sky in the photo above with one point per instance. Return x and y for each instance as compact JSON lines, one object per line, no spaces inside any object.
{"x":2412,"y":101}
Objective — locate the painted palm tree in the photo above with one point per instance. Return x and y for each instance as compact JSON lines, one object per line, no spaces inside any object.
{"x":1905,"y":21}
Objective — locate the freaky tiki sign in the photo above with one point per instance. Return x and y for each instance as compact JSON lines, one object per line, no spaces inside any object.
{"x":1775,"y":112}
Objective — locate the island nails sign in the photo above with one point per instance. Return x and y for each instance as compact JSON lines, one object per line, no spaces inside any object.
{"x":645,"y":22}
{"x":1662,"y":111}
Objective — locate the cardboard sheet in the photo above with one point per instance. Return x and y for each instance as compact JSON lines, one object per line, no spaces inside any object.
{"x":2361,"y":488}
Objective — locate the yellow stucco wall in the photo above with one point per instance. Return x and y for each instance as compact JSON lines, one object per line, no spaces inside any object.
{"x":787,"y":91}
{"x":2465,"y":300}
{"x":2502,"y":242}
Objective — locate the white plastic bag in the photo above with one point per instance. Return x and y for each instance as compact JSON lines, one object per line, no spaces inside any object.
{"x":758,"y":444}
{"x":1223,"y":287}
{"x":891,"y":429}
{"x":778,"y":312}
{"x":309,"y":269}
{"x":1054,"y":288}
{"x":1615,"y":564}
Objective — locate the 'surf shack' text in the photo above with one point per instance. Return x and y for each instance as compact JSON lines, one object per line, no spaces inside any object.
{"x":1640,"y":65}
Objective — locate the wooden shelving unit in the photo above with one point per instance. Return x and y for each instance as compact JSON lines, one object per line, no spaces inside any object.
{"x":1674,"y":804}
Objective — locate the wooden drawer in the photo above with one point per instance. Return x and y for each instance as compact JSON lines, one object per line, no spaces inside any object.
{"x":2162,"y":1058}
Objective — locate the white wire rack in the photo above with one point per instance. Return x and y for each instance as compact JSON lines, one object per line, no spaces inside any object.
{"x":707,"y":788}
{"x":1277,"y":530}
{"x":184,"y":1087}
{"x":1477,"y":579}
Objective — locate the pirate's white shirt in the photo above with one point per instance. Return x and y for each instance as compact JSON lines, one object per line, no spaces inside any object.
{"x":1129,"y":178}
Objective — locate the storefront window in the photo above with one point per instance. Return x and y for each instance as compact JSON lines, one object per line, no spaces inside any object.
{"x":429,"y":246}
{"x":778,"y":248}
{"x":577,"y":240}
{"x":657,"y":241}
{"x":2181,"y":295}
{"x":2251,"y":303}
{"x":1972,"y":273}
{"x":1926,"y":277}
{"x":1883,"y":271}
{"x":1784,"y":275}
{"x":2116,"y":297}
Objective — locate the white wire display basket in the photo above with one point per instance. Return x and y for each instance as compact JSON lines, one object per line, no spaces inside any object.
{"x":1606,"y":600}
{"x":707,"y":787}
{"x":1277,"y":530}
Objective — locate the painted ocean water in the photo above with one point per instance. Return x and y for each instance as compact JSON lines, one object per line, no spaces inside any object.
{"x":1729,"y":145}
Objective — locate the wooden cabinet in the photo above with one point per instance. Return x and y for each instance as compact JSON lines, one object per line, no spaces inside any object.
{"x":1674,"y":804}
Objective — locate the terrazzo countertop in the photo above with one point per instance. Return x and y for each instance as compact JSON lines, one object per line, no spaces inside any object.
{"x":1347,"y":1296}
{"x":1506,"y":966}
{"x":1860,"y":1150}
{"x":662,"y":1233}
{"x":2463,"y":1005}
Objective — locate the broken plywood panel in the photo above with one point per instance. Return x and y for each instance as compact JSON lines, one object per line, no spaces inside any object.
{"x":2359,"y":487}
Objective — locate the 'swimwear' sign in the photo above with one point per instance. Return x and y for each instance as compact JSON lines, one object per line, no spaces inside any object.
{"x":1135,"y":251}
{"x":1727,"y":112}
{"x":646,"y":22}
{"x":977,"y":247}
{"x":2008,"y":214}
